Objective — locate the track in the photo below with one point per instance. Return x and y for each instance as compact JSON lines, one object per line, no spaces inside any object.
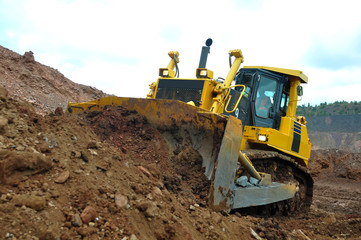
{"x":283,"y":169}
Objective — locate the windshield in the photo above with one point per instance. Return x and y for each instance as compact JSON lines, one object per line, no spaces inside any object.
{"x":265,"y":96}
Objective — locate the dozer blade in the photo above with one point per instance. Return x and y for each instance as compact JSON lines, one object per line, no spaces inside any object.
{"x":177,"y":121}
{"x":225,"y":194}
{"x":216,"y":137}
{"x":226,"y":167}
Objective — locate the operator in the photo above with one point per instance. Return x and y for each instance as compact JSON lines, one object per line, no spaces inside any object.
{"x":263,"y":103}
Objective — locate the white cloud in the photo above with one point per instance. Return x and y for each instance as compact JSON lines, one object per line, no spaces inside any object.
{"x":330,"y":86}
{"x":112,"y":79}
{"x":118,"y":46}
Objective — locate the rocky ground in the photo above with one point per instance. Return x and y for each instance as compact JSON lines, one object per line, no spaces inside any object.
{"x":109,"y":175}
{"x":42,"y":86}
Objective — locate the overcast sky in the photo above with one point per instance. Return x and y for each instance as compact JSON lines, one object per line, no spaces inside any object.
{"x":118,"y":46}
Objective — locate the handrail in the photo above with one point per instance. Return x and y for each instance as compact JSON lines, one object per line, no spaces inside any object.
{"x":229,"y":98}
{"x":220,"y":88}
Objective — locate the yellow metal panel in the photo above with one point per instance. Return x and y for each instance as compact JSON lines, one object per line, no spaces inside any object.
{"x":285,"y":125}
{"x":281,"y":140}
{"x":292,"y":103}
{"x":290,"y":72}
{"x":206,"y":99}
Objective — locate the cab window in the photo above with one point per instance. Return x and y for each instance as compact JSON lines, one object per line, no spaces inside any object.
{"x":265,"y":96}
{"x":284,"y":100}
{"x":247,"y":82}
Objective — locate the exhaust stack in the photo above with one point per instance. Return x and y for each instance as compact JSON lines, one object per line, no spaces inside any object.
{"x":204,"y":54}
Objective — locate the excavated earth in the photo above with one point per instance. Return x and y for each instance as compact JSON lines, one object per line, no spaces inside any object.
{"x":42,"y":86}
{"x":110,"y":175}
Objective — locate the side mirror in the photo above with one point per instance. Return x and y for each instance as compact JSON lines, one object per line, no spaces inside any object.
{"x":299,"y":91}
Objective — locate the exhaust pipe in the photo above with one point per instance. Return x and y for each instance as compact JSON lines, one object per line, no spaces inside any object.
{"x":204,"y":54}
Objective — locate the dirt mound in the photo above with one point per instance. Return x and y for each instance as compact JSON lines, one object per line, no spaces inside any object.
{"x":42,"y":86}
{"x":333,"y":163}
{"x":337,"y":181}
{"x":75,"y":185}
{"x":188,"y":164}
{"x":182,"y":171}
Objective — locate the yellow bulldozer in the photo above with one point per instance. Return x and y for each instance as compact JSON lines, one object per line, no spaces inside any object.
{"x":255,"y":149}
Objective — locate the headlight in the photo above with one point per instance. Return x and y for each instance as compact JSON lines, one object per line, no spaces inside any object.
{"x":165,"y":72}
{"x":204,"y":73}
{"x":262,"y":138}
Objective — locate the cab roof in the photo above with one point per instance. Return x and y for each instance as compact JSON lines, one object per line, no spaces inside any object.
{"x":292,"y":73}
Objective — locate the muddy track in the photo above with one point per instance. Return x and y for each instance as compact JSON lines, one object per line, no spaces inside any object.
{"x":283,"y":169}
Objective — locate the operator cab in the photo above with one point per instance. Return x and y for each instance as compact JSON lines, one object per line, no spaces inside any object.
{"x":265,"y":99}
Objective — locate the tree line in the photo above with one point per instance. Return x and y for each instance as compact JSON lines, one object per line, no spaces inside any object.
{"x":330,"y":109}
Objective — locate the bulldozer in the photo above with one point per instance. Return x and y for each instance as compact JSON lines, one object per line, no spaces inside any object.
{"x":254,"y":149}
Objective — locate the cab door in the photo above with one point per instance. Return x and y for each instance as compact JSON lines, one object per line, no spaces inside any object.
{"x":264,"y":100}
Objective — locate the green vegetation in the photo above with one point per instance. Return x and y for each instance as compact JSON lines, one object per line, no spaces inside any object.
{"x":330,"y":109}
